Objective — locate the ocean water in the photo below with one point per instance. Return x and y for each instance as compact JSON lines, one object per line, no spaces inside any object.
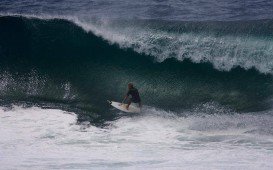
{"x":203,"y":70}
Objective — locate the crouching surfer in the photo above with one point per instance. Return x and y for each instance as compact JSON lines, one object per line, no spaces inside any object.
{"x":133,"y":96}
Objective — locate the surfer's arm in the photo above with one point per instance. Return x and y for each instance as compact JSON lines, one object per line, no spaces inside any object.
{"x":125,"y":98}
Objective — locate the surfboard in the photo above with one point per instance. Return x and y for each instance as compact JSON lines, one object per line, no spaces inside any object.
{"x":120,"y":106}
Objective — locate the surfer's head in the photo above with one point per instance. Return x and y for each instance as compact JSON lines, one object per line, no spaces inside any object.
{"x":130,"y":85}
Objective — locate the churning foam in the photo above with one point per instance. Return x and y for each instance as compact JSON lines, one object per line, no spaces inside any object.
{"x":35,"y":138}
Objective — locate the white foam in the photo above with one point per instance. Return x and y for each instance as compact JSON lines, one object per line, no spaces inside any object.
{"x":35,"y":138}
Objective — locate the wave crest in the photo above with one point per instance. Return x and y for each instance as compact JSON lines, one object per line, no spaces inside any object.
{"x":229,"y":44}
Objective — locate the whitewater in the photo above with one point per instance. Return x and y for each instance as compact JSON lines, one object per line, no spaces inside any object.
{"x":51,"y":139}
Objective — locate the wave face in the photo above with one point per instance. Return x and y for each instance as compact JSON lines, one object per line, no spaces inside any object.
{"x":82,"y":65}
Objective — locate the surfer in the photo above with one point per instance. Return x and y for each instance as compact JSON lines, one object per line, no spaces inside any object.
{"x":134,"y":96}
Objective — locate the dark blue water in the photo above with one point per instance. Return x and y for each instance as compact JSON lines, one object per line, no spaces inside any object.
{"x":198,"y":10}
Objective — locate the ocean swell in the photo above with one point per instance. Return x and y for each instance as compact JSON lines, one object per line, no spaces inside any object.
{"x":54,"y":60}
{"x":225,"y":44}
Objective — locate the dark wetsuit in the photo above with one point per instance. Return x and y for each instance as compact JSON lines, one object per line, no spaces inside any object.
{"x":133,"y":92}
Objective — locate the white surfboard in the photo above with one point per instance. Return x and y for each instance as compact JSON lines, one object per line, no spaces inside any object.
{"x":122,"y":107}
